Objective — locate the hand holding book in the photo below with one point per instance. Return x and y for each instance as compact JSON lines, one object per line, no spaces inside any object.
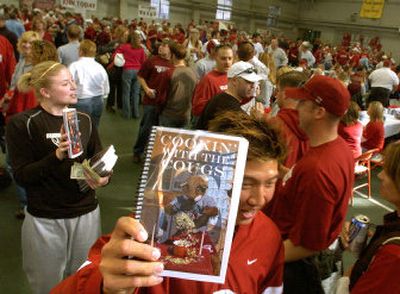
{"x":94,"y":180}
{"x":97,"y":170}
{"x":121,"y":274}
{"x":61,"y":151}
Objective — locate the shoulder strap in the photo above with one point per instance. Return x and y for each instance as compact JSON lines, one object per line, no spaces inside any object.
{"x":368,"y":254}
{"x":392,"y":240}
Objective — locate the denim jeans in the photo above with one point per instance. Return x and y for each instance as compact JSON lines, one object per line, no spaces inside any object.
{"x":170,"y":122}
{"x":130,"y":93}
{"x":92,"y":106}
{"x":149,"y":119}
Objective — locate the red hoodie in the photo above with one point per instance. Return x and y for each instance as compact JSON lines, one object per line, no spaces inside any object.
{"x":297,"y":141}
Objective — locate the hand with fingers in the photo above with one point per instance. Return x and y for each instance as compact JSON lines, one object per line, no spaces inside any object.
{"x":62,"y":150}
{"x":122,"y":275}
{"x":345,"y":235}
{"x":97,"y":182}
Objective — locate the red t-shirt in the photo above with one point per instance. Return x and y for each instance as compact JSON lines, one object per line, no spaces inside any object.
{"x":21,"y":102}
{"x":255,"y":265}
{"x":374,"y":135}
{"x":383,"y":273}
{"x":210,"y":85}
{"x":297,"y":141}
{"x":352,"y":135}
{"x":315,"y":195}
{"x":342,"y":57}
{"x":7,"y":64}
{"x":155,"y":71}
{"x":355,"y":60}
{"x":134,"y":57}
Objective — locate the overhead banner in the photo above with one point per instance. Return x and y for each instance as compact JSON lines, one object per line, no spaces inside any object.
{"x":80,"y":4}
{"x":44,"y":4}
{"x":147,"y":11}
{"x":372,"y":9}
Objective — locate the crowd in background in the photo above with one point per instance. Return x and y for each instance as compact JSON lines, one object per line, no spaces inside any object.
{"x":184,"y":76}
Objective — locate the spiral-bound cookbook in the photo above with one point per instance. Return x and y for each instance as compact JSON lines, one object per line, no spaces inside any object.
{"x":188,"y":198}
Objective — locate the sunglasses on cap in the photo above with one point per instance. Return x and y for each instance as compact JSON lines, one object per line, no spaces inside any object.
{"x":250,"y":70}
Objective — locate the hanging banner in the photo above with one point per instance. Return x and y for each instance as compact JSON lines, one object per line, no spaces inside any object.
{"x":147,"y":11}
{"x":79,"y":5}
{"x":44,"y":4}
{"x":372,"y":9}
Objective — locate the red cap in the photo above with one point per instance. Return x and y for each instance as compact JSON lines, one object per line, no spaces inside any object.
{"x":328,"y":92}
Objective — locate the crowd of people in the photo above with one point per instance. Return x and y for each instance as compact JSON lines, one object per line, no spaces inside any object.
{"x":297,"y":102}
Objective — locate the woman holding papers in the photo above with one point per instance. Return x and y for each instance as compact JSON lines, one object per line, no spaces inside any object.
{"x":61,"y":221}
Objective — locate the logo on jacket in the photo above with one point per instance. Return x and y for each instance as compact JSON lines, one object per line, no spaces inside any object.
{"x":55,"y":138}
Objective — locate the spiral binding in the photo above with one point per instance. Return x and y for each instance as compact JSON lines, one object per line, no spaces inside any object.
{"x":138,"y":202}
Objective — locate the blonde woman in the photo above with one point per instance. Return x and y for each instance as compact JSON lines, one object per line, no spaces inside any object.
{"x":61,"y":222}
{"x":193,"y":46}
{"x":374,"y":131}
{"x":17,"y":101}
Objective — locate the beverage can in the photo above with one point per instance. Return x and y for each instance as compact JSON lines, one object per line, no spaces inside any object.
{"x":358,"y":234}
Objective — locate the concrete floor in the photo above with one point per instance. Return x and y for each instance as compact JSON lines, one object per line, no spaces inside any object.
{"x":115,"y":200}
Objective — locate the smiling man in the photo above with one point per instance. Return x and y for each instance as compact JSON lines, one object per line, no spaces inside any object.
{"x":256,"y":261}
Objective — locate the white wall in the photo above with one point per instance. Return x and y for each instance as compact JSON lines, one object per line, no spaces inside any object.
{"x":332,"y":18}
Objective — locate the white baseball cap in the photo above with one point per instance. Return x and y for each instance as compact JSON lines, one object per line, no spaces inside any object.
{"x":244,"y":70}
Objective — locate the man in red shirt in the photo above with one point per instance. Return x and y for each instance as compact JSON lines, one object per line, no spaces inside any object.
{"x":315,"y":194}
{"x":214,"y":82}
{"x":287,"y":120}
{"x":256,"y":259}
{"x":153,"y":77}
{"x":287,"y":117}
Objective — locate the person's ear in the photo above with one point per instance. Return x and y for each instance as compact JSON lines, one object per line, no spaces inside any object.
{"x":320,"y":112}
{"x":44,"y":92}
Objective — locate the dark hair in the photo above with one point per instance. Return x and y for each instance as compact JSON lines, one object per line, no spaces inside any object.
{"x":222,"y":47}
{"x":265,"y":140}
{"x":245,"y":51}
{"x":352,"y":114}
{"x":178,"y":50}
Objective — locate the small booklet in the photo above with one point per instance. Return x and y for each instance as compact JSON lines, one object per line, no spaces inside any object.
{"x":188,"y":197}
{"x":71,"y":127}
{"x":100,"y":165}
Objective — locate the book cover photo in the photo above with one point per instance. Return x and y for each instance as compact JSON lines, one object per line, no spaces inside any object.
{"x":188,"y":197}
{"x":71,"y":127}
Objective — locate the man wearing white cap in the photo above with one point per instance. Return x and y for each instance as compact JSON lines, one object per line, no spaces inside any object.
{"x":241,"y":79}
